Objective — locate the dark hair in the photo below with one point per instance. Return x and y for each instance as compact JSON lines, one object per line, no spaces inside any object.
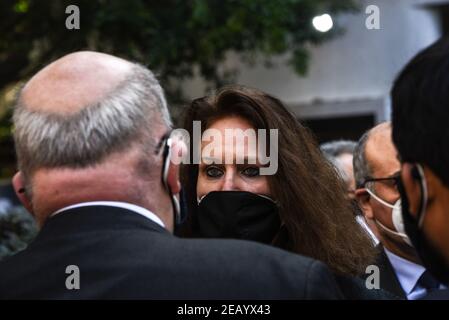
{"x":318,"y":218}
{"x":420,"y":103}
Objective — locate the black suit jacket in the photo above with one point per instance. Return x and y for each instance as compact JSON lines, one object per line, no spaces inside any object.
{"x":437,"y":295}
{"x":388,"y":278}
{"x":123,"y":255}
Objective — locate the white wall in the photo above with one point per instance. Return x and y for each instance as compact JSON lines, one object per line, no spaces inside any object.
{"x":359,"y":65}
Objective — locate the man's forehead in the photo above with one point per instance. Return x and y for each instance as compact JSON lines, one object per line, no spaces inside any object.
{"x":381,"y":153}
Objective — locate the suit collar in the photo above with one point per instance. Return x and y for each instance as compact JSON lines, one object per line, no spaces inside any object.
{"x":388,"y":278}
{"x":90,"y":219}
{"x":124,"y":205}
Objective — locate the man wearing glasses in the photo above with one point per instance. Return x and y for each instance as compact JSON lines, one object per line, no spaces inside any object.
{"x":376,"y":170}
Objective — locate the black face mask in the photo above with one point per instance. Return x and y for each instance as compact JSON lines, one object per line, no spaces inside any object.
{"x":431,"y":258}
{"x":238,"y":215}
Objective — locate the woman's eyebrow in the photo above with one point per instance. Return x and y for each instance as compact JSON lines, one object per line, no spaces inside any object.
{"x":211,"y":160}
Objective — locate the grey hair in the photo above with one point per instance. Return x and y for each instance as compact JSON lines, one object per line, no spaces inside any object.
{"x":125,"y":116}
{"x":339,"y":168}
{"x":361,"y":166}
{"x":338,"y":147}
{"x":333,"y":149}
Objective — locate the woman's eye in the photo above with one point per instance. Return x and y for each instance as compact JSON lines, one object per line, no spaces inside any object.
{"x":213,"y":172}
{"x":251,"y":172}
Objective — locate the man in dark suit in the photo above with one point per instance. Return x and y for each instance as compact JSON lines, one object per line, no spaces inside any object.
{"x":97,"y":172}
{"x":376,"y":170}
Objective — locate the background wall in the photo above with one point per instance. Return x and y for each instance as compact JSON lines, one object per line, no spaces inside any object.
{"x":349,"y":76}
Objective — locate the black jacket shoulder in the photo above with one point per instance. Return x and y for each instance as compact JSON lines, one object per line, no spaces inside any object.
{"x":122,"y":255}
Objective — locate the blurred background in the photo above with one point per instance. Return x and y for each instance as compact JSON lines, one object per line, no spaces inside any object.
{"x":318,"y":56}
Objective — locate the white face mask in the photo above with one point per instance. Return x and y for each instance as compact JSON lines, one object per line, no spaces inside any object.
{"x":396,"y":216}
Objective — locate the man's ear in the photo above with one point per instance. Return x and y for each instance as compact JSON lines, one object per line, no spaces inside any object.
{"x":411,"y":186}
{"x":363,"y":197}
{"x":18,"y":184}
{"x":173,"y":178}
{"x":178,"y":151}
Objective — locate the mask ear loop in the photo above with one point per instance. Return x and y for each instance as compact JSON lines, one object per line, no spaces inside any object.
{"x":395,"y":232}
{"x":198,"y":200}
{"x":372,"y":194}
{"x":166,"y":156}
{"x":418,"y":173}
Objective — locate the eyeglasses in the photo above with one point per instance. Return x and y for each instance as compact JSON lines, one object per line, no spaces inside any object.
{"x":392,"y":181}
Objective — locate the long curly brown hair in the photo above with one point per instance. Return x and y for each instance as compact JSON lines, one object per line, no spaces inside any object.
{"x":318,"y":219}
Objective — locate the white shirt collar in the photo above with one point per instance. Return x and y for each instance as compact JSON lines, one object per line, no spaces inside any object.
{"x":132,"y":207}
{"x":408,"y":272}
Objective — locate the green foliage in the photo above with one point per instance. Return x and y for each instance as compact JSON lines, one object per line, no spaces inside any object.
{"x":7,"y":156}
{"x":17,"y":230}
{"x":174,"y":38}
{"x":170,"y":36}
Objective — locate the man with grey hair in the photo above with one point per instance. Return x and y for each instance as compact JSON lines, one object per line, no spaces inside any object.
{"x":339,"y":153}
{"x":93,"y":148}
{"x":376,"y":170}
